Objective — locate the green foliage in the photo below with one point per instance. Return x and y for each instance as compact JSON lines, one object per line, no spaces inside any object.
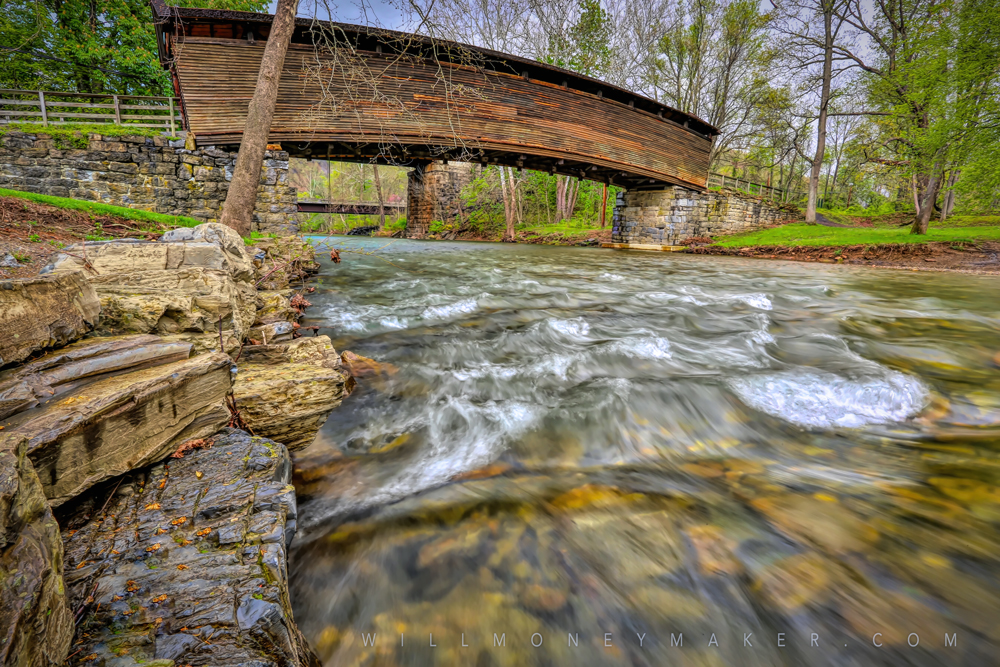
{"x":484,"y":212}
{"x":92,"y":46}
{"x":35,"y":238}
{"x":76,"y":135}
{"x":815,"y":235}
{"x":96,"y":208}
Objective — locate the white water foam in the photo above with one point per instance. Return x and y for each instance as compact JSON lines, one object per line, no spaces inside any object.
{"x":814,"y":398}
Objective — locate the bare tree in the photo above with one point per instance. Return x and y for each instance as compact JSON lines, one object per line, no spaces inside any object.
{"x":237,"y":212}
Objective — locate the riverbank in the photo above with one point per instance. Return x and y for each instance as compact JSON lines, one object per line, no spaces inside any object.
{"x":152,"y":387}
{"x":963,"y":257}
{"x":970,"y":248}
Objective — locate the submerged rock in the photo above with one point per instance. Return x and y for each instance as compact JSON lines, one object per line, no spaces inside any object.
{"x":186,"y":562}
{"x":36,"y":624}
{"x":44,"y":312}
{"x":108,"y":427}
{"x":286,"y":391}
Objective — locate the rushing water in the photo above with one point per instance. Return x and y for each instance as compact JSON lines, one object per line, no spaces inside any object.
{"x":618,"y":448}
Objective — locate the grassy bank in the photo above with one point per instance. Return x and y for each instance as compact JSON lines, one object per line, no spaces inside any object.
{"x":801,"y":234}
{"x":99,"y":209}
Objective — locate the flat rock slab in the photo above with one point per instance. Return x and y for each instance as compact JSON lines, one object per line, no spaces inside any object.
{"x":210,"y":246}
{"x":117,"y":424}
{"x":36,"y":623}
{"x":25,"y":387}
{"x":286,"y":391}
{"x":185,"y":563}
{"x":44,"y":312}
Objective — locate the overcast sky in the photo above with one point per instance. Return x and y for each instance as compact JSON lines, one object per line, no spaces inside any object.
{"x":375,"y":12}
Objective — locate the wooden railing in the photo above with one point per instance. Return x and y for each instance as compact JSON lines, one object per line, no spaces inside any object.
{"x":36,"y":106}
{"x":722,"y":181}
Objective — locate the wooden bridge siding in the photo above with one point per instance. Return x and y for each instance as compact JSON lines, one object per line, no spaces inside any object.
{"x":218,"y":77}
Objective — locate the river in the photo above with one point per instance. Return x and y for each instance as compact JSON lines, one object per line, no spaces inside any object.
{"x":576,"y":456}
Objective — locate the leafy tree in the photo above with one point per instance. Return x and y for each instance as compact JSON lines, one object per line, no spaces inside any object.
{"x":88,"y":46}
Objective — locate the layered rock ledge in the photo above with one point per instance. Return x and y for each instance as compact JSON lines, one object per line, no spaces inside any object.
{"x":184,"y":562}
{"x":175,"y":525}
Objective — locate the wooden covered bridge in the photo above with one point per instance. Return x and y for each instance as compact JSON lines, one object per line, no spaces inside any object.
{"x":355,"y":93}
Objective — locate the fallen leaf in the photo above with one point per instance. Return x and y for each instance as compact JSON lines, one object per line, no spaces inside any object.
{"x":182,"y":567}
{"x":153,"y":506}
{"x":177,"y":522}
{"x":160,"y":531}
{"x":116,"y":598}
{"x":131,"y":586}
{"x":154,"y":547}
{"x":203,"y":532}
{"x":92,"y":656}
{"x":190,"y":445}
{"x":82,"y":563}
{"x":158,"y":599}
{"x":199,"y":474}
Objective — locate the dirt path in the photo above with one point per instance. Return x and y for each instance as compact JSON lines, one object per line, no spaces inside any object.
{"x":827,"y":222}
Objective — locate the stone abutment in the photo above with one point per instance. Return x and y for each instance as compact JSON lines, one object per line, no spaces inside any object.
{"x":158,"y":174}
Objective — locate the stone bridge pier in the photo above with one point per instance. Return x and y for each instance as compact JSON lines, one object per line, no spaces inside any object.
{"x":433,"y":192}
{"x":668,"y":215}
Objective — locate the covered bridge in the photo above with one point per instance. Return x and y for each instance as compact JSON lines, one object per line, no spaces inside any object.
{"x":355,"y":93}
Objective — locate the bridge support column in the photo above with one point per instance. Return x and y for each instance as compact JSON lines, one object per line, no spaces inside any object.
{"x":433,"y":193}
{"x":670,"y":215}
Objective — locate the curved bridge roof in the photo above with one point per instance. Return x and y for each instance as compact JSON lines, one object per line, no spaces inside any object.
{"x":399,"y":98}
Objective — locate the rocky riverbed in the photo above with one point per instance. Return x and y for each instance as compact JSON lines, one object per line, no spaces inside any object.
{"x":150,"y":392}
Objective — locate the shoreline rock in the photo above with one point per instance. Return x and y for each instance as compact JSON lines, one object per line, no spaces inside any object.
{"x":44,"y":312}
{"x":187,"y":561}
{"x":175,"y":526}
{"x":36,"y":622}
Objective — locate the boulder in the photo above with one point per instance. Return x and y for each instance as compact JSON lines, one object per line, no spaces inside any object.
{"x":226,"y":238}
{"x":106,"y":428}
{"x":44,"y":312}
{"x":188,"y":561}
{"x":288,"y":259}
{"x":24,"y":387}
{"x":286,"y":391}
{"x":275,"y":306}
{"x":101,"y":258}
{"x":36,"y":623}
{"x":275,"y":332}
{"x":175,"y":301}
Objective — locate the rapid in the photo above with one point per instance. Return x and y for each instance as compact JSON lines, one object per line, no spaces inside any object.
{"x":593,"y":457}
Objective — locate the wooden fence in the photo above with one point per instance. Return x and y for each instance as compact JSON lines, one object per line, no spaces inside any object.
{"x":722,"y":181}
{"x":36,"y":106}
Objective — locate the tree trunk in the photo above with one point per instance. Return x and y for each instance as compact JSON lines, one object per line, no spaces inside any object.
{"x":824,"y":101}
{"x":509,"y":202}
{"x":604,"y":206}
{"x":237,"y":212}
{"x":949,"y":198}
{"x":381,"y":202}
{"x":329,"y":188}
{"x":927,"y":205}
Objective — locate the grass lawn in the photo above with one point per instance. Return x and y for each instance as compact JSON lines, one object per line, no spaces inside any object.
{"x":893,"y":220}
{"x":801,"y":234}
{"x":98,"y":208}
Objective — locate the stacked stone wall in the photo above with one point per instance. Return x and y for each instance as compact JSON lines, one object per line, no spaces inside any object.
{"x":434,"y":193}
{"x":158,"y":174}
{"x":668,"y":216}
